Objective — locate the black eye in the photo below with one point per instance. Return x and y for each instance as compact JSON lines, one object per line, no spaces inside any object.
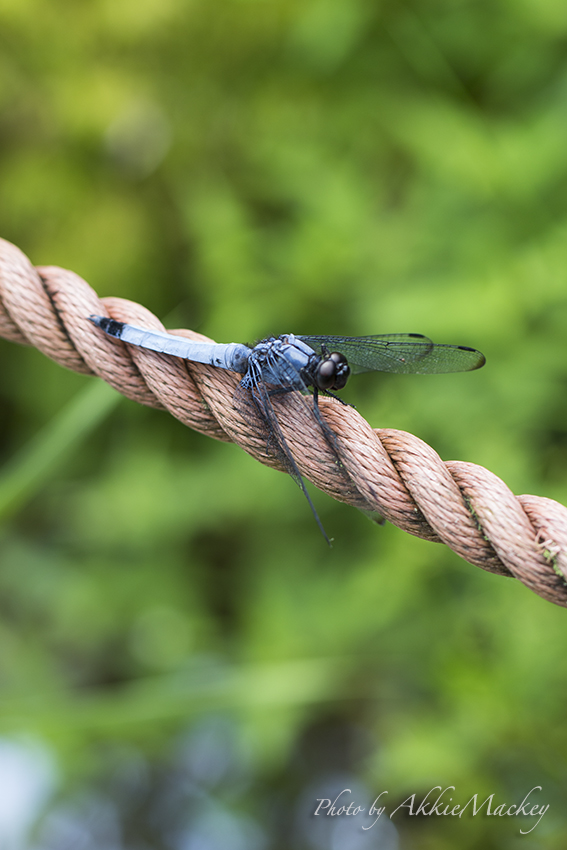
{"x":342,"y":378}
{"x":326,"y":372}
{"x":342,"y":369}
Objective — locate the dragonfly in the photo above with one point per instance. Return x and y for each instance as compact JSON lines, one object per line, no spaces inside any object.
{"x":304,"y":365}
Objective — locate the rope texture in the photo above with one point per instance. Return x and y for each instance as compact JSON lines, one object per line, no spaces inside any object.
{"x":391,"y":472}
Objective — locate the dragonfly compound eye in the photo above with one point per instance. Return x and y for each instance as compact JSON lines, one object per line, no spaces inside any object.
{"x":326,"y":372}
{"x":342,"y":369}
{"x":333,"y":372}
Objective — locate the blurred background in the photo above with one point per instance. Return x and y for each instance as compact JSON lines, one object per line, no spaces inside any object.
{"x":184,"y":664}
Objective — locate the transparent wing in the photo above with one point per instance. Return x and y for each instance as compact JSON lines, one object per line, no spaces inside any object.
{"x":401,"y":353}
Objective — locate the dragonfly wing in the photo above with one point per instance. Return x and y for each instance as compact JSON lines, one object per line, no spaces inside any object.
{"x":401,"y":353}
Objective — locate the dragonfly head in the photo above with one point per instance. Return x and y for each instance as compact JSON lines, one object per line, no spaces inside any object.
{"x":332,"y":372}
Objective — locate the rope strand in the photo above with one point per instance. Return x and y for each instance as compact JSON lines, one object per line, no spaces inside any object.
{"x":463,"y":505}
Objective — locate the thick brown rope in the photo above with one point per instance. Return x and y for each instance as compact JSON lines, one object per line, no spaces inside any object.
{"x":391,"y":472}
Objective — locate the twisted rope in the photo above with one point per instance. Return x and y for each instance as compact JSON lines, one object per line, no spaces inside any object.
{"x":460,"y":504}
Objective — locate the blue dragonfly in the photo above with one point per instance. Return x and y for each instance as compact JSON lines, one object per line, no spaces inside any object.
{"x":304,"y":365}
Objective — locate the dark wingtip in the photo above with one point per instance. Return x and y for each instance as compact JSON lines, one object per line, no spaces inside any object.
{"x":480,"y":361}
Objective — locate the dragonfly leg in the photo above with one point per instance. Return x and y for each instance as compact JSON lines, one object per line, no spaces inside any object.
{"x":338,"y":398}
{"x":280,"y":391}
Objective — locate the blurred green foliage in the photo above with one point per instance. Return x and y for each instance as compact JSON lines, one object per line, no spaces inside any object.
{"x":251,"y":167}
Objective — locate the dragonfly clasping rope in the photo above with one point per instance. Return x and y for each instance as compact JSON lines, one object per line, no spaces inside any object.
{"x":392,"y":472}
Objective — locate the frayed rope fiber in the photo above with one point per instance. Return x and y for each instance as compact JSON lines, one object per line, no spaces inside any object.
{"x":391,"y":472}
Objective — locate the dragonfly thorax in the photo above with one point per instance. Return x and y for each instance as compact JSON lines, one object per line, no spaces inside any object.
{"x":290,"y":361}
